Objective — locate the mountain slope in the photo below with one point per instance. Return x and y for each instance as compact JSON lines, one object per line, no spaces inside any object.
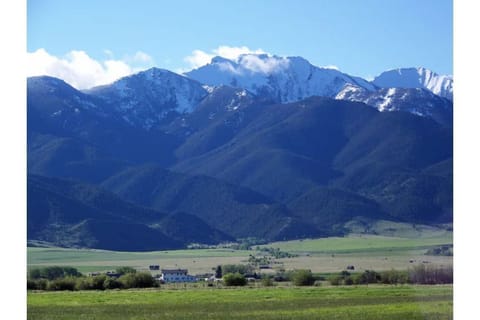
{"x":62,"y":219}
{"x":284,"y":151}
{"x":413,"y":100}
{"x":328,"y":208}
{"x":280,"y":79}
{"x":440,"y":85}
{"x":70,"y":158}
{"x":58,"y":110}
{"x":147,"y":98}
{"x":232,"y":160}
{"x":68,"y":213}
{"x":187,"y":228}
{"x":234,"y":210}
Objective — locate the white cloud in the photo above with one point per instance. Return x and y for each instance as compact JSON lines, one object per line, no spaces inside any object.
{"x":142,"y":57}
{"x":81,"y":71}
{"x":264,"y":64}
{"x":200,"y":58}
{"x":232,"y":53}
{"x":331,"y":66}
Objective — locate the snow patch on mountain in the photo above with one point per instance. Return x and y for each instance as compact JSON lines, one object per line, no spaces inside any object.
{"x":418,"y":101}
{"x":441,"y":85}
{"x":281,"y":79}
{"x":146,"y":97}
{"x":387,"y":99}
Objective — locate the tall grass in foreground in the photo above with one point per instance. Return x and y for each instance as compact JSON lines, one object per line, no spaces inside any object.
{"x":372,"y":302}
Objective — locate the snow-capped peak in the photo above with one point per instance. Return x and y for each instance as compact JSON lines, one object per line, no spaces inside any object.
{"x":419,"y":77}
{"x":282,"y":79}
{"x":146,"y":97}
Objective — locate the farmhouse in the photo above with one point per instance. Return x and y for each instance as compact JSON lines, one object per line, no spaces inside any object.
{"x":176,"y":275}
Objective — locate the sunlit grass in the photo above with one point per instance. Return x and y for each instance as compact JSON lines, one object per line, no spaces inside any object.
{"x":372,"y":302}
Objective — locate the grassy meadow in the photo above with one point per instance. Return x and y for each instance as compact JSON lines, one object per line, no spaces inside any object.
{"x":362,"y":302}
{"x":399,"y":251}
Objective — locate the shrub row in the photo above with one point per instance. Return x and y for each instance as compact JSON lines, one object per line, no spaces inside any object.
{"x":420,"y":274}
{"x":100,"y":282}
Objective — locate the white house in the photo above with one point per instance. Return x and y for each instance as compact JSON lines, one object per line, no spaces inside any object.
{"x":176,"y":275}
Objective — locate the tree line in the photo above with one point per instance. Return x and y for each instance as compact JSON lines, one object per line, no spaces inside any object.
{"x":68,"y":278}
{"x":419,"y":274}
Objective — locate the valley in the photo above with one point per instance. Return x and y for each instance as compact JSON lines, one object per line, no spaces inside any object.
{"x":324,"y":255}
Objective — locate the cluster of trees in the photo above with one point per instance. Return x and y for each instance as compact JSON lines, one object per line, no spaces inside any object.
{"x":243,"y":269}
{"x":248,"y":243}
{"x":51,"y":273}
{"x":440,"y":251}
{"x":67,"y":278}
{"x":345,"y":278}
{"x":234,"y":279}
{"x":277,"y":253}
{"x":258,"y":261}
{"x":298,"y":278}
{"x":420,"y":274}
{"x":303,"y":278}
{"x":431,"y":275}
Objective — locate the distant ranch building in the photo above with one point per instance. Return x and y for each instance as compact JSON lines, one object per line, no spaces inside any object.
{"x":176,"y":275}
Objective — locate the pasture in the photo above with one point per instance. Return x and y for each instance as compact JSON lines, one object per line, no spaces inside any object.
{"x":363,"y":302}
{"x":323,"y":255}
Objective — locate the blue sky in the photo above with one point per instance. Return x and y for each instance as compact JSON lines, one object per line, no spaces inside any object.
{"x":361,"y":38}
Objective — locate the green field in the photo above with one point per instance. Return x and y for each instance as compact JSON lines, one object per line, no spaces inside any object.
{"x":363,"y":302}
{"x":361,"y":244}
{"x":320,"y":255}
{"x":86,"y":260}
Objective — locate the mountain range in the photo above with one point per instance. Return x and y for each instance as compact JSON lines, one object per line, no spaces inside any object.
{"x":261,"y":146}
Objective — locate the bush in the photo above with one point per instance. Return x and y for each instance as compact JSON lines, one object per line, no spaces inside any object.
{"x":97,"y":282}
{"x":62,"y":284}
{"x":283,"y":275}
{"x":237,"y":268}
{"x":234,"y":279}
{"x":366,"y":277}
{"x":71,"y":272}
{"x":137,"y":280}
{"x":144,"y":280}
{"x":303,"y":278}
{"x":335,"y":280}
{"x":343,"y":278}
{"x":52,"y":273}
{"x":111,"y":283}
{"x":394,"y":277}
{"x":125,"y":270}
{"x":267,"y":281}
{"x":41,"y":284}
{"x":31,"y":284}
{"x":91,"y":283}
{"x":34,"y":274}
{"x":348,"y":281}
{"x":82,"y":284}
